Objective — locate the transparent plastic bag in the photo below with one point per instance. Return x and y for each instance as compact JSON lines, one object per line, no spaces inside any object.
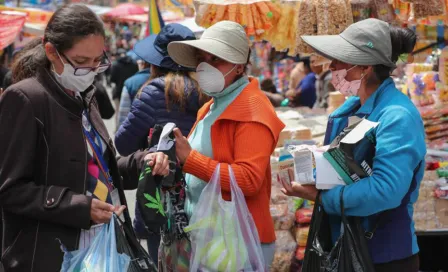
{"x":223,"y":233}
{"x":100,"y":256}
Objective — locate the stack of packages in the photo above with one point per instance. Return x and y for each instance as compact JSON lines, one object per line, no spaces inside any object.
{"x":431,"y":209}
{"x":291,"y":215}
{"x":420,"y":11}
{"x":283,"y":214}
{"x":429,"y":92}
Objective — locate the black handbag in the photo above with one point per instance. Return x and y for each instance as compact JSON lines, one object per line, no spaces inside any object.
{"x":319,"y":243}
{"x":128,"y":244}
{"x":350,"y":253}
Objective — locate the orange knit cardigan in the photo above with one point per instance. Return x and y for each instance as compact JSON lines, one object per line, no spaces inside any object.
{"x":244,"y":136}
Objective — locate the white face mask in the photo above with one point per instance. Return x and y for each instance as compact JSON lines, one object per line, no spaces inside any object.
{"x":70,"y":81}
{"x":210,"y":79}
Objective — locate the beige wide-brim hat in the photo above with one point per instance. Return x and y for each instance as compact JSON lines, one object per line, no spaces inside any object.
{"x":226,"y":39}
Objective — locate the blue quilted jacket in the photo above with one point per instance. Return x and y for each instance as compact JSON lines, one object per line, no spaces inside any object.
{"x":150,"y":109}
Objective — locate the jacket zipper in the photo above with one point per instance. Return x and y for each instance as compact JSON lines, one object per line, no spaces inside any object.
{"x":85,"y":176}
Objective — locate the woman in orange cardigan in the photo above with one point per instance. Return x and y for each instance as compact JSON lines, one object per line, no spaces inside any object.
{"x":238,"y":127}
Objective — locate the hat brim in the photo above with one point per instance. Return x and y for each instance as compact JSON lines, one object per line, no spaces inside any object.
{"x":146,"y":51}
{"x":184,"y":52}
{"x":334,"y":47}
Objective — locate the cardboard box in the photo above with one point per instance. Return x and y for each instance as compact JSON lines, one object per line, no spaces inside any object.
{"x":294,"y":134}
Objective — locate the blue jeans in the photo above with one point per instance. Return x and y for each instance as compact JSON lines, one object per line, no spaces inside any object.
{"x":268,"y":254}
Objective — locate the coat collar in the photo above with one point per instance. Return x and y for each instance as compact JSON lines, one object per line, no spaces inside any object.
{"x":56,"y":90}
{"x":251,"y":105}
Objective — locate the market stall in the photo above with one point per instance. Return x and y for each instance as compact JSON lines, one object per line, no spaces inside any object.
{"x":278,"y":25}
{"x":11,"y":23}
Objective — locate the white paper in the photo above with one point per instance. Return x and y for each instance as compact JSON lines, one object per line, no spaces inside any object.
{"x":326,"y":177}
{"x":165,"y":143}
{"x":359,"y":132}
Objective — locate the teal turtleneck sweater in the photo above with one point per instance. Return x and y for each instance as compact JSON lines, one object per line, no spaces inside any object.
{"x":200,"y":138}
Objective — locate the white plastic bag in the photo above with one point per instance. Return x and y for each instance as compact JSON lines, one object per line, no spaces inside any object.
{"x":100,"y":256}
{"x":223,"y":234}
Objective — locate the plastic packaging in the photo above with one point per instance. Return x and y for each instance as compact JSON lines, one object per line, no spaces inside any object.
{"x":223,"y":233}
{"x":277,"y":197}
{"x":100,"y":256}
{"x":303,"y":215}
{"x":285,"y":247}
{"x":383,"y":10}
{"x":429,"y":8}
{"x":334,"y":16}
{"x":302,"y":235}
{"x":300,"y":253}
{"x":307,"y":24}
{"x":362,"y":9}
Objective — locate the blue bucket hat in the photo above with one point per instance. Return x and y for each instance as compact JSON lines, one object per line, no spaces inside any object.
{"x":154,"y":48}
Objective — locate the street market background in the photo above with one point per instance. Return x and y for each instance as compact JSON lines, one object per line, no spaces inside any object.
{"x":274,"y":29}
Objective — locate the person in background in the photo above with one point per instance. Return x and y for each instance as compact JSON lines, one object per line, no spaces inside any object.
{"x":123,"y":68}
{"x":269,"y":89}
{"x":304,"y":94}
{"x":323,"y":81}
{"x":237,"y":128}
{"x":3,"y":70}
{"x":170,"y":95}
{"x":363,"y":58}
{"x":58,"y":170}
{"x":295,"y":77}
{"x":7,"y":80}
{"x":104,"y":104}
{"x":131,"y":86}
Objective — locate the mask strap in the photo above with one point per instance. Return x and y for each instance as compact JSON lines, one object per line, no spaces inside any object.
{"x":230,"y":70}
{"x":352,"y":68}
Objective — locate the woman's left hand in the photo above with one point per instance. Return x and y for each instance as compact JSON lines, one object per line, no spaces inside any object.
{"x":308,"y":192}
{"x":183,"y":147}
{"x":159,"y":163}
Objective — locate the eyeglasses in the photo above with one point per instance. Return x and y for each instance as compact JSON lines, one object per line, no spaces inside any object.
{"x":82,"y":71}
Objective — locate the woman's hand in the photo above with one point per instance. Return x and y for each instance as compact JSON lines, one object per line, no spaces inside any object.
{"x":159,"y":163}
{"x":183,"y":147}
{"x":308,"y":192}
{"x":101,"y":212}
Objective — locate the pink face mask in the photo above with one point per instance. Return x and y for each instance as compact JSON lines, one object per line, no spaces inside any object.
{"x":347,"y":88}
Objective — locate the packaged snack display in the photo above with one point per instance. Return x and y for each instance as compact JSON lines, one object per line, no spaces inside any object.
{"x":402,"y":10}
{"x":277,"y":197}
{"x":302,"y":235}
{"x":256,"y":16}
{"x":307,"y":24}
{"x":285,"y":247}
{"x":282,"y":217}
{"x":284,"y":34}
{"x":362,"y":9}
{"x":429,"y":8}
{"x":383,"y":10}
{"x":300,"y":253}
{"x":303,"y":215}
{"x":334,"y":16}
{"x":424,"y":208}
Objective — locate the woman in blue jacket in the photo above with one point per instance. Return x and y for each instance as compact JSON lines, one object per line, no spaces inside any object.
{"x":363,"y":57}
{"x":170,"y":95}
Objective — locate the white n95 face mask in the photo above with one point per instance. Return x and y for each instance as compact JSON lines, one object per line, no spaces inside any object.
{"x":72,"y":82}
{"x":210,"y":79}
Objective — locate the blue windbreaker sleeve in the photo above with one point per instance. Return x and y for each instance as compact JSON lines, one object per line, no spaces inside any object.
{"x":400,"y":147}
{"x":125,"y":106}
{"x":139,"y":121}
